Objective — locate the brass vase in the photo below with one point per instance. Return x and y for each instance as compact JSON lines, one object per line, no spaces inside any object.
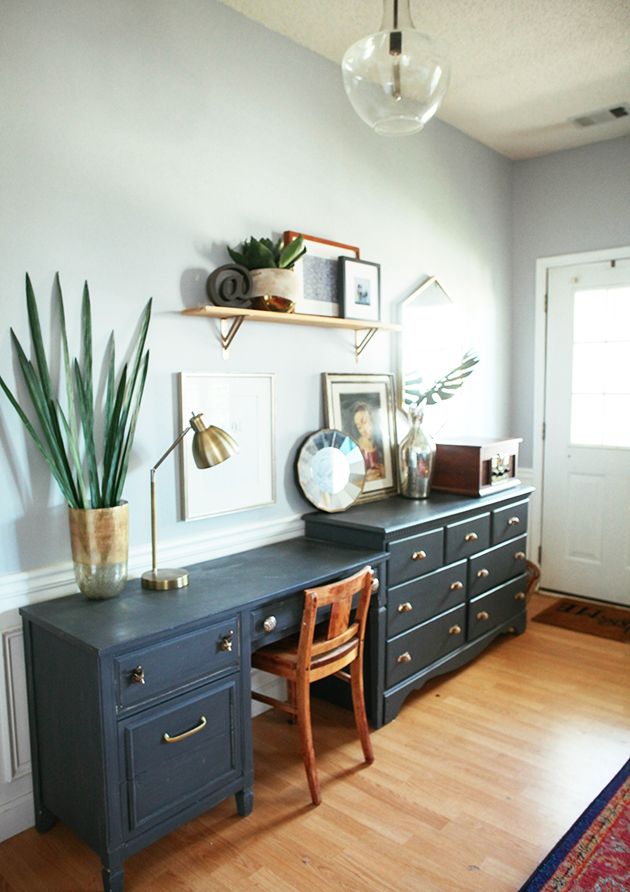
{"x":100,"y":545}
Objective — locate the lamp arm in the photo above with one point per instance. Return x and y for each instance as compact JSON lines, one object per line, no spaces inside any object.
{"x":152,"y":472}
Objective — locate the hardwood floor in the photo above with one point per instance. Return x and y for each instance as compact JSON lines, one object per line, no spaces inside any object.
{"x":473,"y":783}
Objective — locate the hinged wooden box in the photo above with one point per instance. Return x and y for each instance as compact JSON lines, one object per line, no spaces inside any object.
{"x":476,"y":466}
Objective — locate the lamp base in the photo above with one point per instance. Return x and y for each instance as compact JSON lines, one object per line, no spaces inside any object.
{"x":163,"y":580}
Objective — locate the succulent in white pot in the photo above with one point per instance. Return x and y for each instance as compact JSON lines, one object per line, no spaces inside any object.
{"x":271,"y":265}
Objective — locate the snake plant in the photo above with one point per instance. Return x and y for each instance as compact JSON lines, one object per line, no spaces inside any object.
{"x":88,"y":476}
{"x":444,"y":388}
{"x":263,"y":253}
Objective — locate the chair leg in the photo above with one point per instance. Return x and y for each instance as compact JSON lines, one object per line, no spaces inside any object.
{"x":358,"y":702}
{"x":291,"y":699}
{"x":303,"y":698}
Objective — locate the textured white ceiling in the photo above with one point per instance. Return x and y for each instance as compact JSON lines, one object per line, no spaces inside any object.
{"x":520,"y":68}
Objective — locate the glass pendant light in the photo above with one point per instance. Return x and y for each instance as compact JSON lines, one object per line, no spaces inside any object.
{"x":396,"y":78}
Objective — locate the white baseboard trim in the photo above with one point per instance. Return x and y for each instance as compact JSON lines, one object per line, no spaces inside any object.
{"x":31,"y":586}
{"x":16,"y":816}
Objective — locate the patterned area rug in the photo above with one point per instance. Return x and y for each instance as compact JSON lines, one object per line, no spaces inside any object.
{"x":593,"y":619}
{"x":594,"y":854}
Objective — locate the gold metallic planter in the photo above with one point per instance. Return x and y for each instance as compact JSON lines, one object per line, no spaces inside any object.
{"x":100,"y":547}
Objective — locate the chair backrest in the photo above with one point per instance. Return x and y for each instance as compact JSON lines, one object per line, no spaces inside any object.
{"x":344,"y":632}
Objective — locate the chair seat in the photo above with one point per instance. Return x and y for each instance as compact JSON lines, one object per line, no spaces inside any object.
{"x":283,"y":654}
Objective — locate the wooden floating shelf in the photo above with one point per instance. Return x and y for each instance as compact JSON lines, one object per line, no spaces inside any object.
{"x":236,"y":316}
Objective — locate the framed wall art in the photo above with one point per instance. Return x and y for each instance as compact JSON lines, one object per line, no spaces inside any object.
{"x":362,"y":406}
{"x":244,"y":406}
{"x":317,"y":274}
{"x":359,"y":289}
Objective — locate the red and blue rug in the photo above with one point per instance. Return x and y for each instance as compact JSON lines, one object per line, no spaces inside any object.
{"x":594,"y":854}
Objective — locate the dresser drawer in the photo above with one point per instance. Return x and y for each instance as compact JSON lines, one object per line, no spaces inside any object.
{"x":415,"y":556}
{"x":467,"y":537}
{"x":496,"y":607}
{"x":496,"y":565}
{"x":177,"y":663}
{"x":412,"y":651}
{"x":509,"y":522}
{"x":181,"y":751}
{"x":413,"y":602}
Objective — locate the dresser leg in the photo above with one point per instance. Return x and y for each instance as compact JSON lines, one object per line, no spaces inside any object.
{"x":244,"y":801}
{"x":44,"y":819}
{"x":113,"y":878}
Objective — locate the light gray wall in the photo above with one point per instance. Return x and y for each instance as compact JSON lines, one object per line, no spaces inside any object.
{"x":565,"y":203}
{"x":138,"y":138}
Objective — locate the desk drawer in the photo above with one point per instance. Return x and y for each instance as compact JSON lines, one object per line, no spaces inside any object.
{"x":467,"y":537}
{"x":276,"y":620}
{"x":163,"y":777}
{"x":419,"y":600}
{"x":509,"y":522}
{"x":408,"y":653}
{"x":177,"y":663}
{"x":496,"y":607}
{"x":415,"y":556}
{"x":496,"y":565}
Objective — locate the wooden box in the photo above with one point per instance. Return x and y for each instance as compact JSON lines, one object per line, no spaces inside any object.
{"x":476,"y":466}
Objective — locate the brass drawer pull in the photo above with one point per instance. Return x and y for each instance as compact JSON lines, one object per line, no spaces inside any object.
{"x":471,"y":537}
{"x":519,"y":596}
{"x":418,"y":555}
{"x":456,"y":586}
{"x":481,"y":574}
{"x":376,"y":584}
{"x":166,"y":737}
{"x":455,"y":630}
{"x":137,"y":675}
{"x":405,"y":608}
{"x":514,"y":521}
{"x":519,"y":556}
{"x":270,"y":623}
{"x":404,"y":658}
{"x":226,"y":641}
{"x":483,"y":615}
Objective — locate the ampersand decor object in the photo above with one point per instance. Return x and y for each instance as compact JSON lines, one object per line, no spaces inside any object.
{"x":230,"y":285}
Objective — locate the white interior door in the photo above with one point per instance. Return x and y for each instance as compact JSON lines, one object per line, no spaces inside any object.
{"x":586,"y":474}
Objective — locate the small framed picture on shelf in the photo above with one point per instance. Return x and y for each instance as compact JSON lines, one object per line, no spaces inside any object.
{"x":360,"y":289}
{"x":362,"y":406}
{"x":318,"y":281}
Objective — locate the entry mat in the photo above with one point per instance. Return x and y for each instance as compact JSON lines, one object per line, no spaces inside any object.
{"x":592,"y":619}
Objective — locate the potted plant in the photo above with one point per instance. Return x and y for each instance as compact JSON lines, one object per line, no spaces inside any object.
{"x":90,"y":477}
{"x":416,"y":453}
{"x":274,"y":283}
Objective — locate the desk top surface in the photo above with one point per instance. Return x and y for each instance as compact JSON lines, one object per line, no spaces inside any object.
{"x":248,"y":579}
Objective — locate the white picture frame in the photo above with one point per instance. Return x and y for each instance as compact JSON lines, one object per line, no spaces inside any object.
{"x":244,"y":406}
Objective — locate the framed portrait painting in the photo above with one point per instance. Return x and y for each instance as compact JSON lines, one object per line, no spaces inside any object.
{"x":360,"y":289}
{"x":243,"y":405}
{"x":318,"y":278}
{"x":362,"y":406}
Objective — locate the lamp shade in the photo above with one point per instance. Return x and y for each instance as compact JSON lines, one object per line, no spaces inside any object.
{"x":211,"y":445}
{"x":397,"y":77}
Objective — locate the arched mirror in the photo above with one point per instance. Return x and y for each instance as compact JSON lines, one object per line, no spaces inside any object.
{"x":432,"y":337}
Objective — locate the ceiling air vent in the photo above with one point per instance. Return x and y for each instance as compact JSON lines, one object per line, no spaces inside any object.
{"x":602,"y":116}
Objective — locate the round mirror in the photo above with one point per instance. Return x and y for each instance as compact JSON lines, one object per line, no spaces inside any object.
{"x":331,"y":470}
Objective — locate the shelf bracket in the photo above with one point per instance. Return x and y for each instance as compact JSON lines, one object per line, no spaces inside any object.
{"x":228,"y":332}
{"x":360,"y":343}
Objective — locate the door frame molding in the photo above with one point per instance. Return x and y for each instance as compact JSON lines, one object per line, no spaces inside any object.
{"x":543,"y":265}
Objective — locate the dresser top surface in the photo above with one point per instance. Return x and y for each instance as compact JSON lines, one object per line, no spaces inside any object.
{"x":216,"y":587}
{"x":392,"y":515}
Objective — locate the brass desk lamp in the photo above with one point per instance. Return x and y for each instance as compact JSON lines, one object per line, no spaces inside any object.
{"x":210,"y":446}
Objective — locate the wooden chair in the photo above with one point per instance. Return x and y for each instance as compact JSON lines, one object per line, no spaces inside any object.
{"x":319,"y":651}
{"x":533,"y":577}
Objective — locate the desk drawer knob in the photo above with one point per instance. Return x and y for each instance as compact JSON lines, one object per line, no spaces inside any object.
{"x":226,"y":641}
{"x":519,"y":596}
{"x":471,"y":537}
{"x":270,"y":623}
{"x":519,"y":556}
{"x":481,"y":574}
{"x":483,"y":615}
{"x":455,"y":630}
{"x":404,"y":658}
{"x":456,"y":586}
{"x":514,"y":521}
{"x":418,"y":555}
{"x":137,"y":675}
{"x":405,"y":608}
{"x":376,"y":584}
